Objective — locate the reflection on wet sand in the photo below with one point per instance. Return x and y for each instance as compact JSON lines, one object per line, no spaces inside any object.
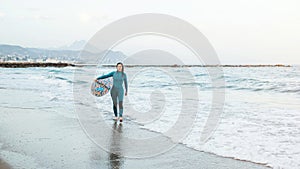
{"x":115,"y":155}
{"x":4,"y":165}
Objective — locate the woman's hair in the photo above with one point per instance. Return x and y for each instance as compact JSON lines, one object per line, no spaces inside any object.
{"x":120,"y":63}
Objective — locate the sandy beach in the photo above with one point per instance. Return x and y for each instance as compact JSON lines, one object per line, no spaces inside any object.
{"x":41,"y":128}
{"x":46,"y":139}
{"x":207,"y":84}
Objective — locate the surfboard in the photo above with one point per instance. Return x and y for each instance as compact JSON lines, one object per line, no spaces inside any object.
{"x":101,"y":87}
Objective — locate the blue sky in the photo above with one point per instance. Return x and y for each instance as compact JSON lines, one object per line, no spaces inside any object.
{"x":241,"y":31}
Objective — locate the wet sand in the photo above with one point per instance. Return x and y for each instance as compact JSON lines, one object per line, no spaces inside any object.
{"x":4,"y":165}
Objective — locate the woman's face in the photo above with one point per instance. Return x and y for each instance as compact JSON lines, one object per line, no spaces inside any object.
{"x":119,"y":67}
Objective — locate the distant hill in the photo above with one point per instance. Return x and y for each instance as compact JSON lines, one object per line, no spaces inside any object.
{"x":18,"y":53}
{"x":153,"y":57}
{"x":13,"y":52}
{"x":77,"y":46}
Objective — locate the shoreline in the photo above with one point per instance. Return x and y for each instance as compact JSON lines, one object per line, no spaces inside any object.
{"x":175,"y":65}
{"x":191,"y":157}
{"x":233,"y":158}
{"x":180,"y":151}
{"x":211,"y":153}
{"x":64,"y":64}
{"x":92,"y":156}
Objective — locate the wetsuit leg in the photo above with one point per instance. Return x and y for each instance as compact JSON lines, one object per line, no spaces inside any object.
{"x":114,"y":95}
{"x":120,"y":98}
{"x":121,"y":109}
{"x":115,"y":110}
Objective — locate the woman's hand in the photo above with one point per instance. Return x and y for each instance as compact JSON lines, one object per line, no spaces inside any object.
{"x":125,"y":93}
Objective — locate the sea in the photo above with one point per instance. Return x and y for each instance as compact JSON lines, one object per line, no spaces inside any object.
{"x":259,"y":120}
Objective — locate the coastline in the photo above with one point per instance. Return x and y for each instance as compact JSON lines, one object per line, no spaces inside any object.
{"x":185,"y":152}
{"x":33,"y":64}
{"x":65,"y":64}
{"x":229,"y":161}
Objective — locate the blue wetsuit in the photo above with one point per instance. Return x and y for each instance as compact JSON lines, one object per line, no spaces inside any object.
{"x":117,"y":91}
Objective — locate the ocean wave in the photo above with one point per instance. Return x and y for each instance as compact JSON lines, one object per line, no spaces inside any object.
{"x":81,"y":82}
{"x":290,"y":91}
{"x":201,"y":75}
{"x":61,"y":78}
{"x":27,"y":108}
{"x":54,"y":99}
{"x":55,"y":71}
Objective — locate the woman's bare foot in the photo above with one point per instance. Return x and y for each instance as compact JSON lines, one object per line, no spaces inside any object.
{"x":115,"y":118}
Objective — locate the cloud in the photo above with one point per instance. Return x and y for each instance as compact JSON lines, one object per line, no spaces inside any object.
{"x":33,"y":9}
{"x":87,"y":17}
{"x":2,"y":14}
{"x":42,"y":17}
{"x":35,"y":17}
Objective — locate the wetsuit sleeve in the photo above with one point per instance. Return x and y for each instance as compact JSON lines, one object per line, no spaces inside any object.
{"x":106,"y":76}
{"x":125,"y":82}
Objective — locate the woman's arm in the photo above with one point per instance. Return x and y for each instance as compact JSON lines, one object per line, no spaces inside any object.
{"x":106,"y":76}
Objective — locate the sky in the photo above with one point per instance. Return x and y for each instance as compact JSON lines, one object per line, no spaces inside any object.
{"x":241,"y":31}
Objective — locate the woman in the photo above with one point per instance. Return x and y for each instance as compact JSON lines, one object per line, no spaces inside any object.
{"x":117,"y":91}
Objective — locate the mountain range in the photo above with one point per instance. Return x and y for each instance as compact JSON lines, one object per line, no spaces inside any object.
{"x":76,"y":46}
{"x":85,"y":53}
{"x":72,"y":53}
